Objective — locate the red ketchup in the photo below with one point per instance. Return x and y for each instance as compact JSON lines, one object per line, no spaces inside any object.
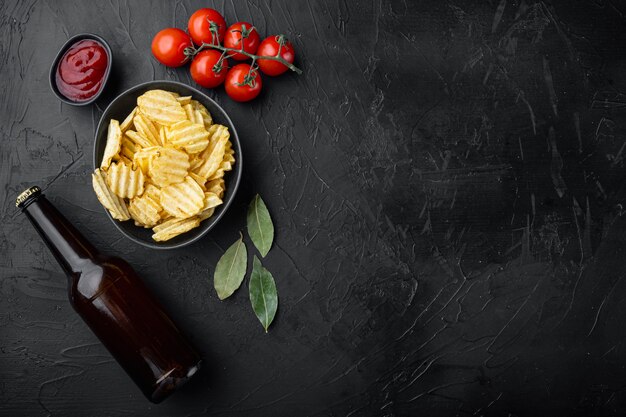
{"x":81,"y":70}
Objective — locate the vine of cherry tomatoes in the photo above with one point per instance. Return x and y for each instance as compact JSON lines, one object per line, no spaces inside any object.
{"x":209,"y":44}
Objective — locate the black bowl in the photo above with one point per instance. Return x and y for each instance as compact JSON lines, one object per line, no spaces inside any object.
{"x":119,"y":109}
{"x":53,"y":70}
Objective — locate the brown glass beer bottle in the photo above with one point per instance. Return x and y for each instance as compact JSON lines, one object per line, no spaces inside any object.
{"x":109,"y":296}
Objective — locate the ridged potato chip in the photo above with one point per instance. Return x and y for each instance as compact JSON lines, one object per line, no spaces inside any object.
{"x":211,"y":200}
{"x":168,"y":166}
{"x":107,"y":198}
{"x":128,"y":148}
{"x":184,"y":100}
{"x":125,"y":181}
{"x":212,"y":156}
{"x":166,"y":216}
{"x":146,"y":128}
{"x":215,"y":131}
{"x":114,"y":142}
{"x":226,"y":164}
{"x":218,"y":131}
{"x":189,"y":111}
{"x":154,"y":192}
{"x":216,"y":187}
{"x":174,"y":227}
{"x":206,"y":116}
{"x":201,"y":181}
{"x":183,"y":199}
{"x":205,"y":214}
{"x":195,"y":161}
{"x":162,"y":135}
{"x":123,"y":160}
{"x":145,"y":211}
{"x":139,"y":139}
{"x":142,"y":157}
{"x":199,"y":118}
{"x":192,"y":137}
{"x":161,"y":107}
{"x":224,"y":167}
{"x":128,"y":122}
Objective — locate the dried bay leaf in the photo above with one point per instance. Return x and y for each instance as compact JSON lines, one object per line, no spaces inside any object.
{"x":260,"y":226}
{"x":230,"y":269}
{"x":263,"y":294}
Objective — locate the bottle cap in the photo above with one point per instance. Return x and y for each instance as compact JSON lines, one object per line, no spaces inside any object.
{"x":27,"y":195}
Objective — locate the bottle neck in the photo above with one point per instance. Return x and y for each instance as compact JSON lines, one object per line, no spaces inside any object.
{"x":71,"y":249}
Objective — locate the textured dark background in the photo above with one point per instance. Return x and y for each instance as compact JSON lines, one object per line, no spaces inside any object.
{"x":446,"y":181}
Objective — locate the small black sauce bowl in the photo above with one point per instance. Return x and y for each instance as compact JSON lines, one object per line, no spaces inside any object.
{"x":119,"y":108}
{"x":53,"y":70}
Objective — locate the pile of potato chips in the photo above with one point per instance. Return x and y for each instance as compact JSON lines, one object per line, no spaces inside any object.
{"x":164,"y":165}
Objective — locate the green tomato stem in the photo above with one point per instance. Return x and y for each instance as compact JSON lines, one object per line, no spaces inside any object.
{"x":249,"y":55}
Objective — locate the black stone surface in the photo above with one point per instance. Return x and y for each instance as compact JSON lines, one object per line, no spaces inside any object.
{"x":446,"y":181}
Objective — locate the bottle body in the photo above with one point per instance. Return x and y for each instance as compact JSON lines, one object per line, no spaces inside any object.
{"x":118,"y":307}
{"x":132,"y":325}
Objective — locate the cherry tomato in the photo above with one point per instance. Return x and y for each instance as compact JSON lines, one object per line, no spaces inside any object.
{"x":207,"y":70}
{"x":269,"y":47}
{"x":168,"y":47}
{"x":243,"y":87}
{"x":200,"y":26}
{"x":245,"y":31}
